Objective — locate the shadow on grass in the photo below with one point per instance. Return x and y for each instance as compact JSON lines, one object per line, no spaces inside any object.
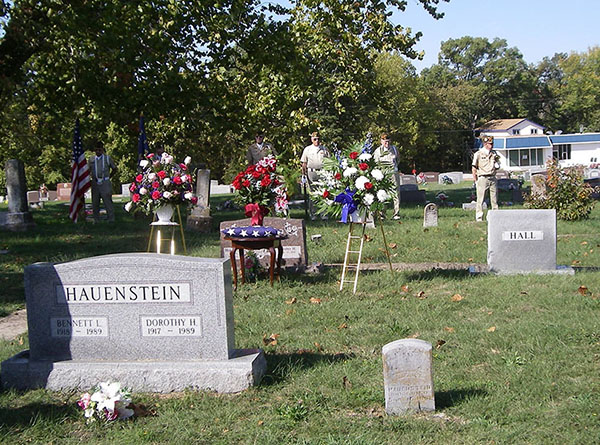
{"x":425,"y":275}
{"x":447,"y":399}
{"x":280,"y":366}
{"x":32,"y":413}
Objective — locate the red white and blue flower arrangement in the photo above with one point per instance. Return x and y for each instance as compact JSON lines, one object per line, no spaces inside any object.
{"x":107,"y":402}
{"x":353,"y":184}
{"x":259,"y":187}
{"x":162,"y":181}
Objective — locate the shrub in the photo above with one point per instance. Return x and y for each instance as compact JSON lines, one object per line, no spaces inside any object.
{"x":565,"y":191}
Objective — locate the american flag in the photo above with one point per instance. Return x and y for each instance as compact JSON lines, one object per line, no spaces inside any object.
{"x":80,"y":176}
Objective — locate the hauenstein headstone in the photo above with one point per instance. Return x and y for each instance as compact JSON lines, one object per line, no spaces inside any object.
{"x":156,"y":323}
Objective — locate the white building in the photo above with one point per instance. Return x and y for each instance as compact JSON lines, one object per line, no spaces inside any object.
{"x":523,"y":146}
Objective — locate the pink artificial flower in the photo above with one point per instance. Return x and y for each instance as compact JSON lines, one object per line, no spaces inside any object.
{"x":155,"y":184}
{"x":161,"y":174}
{"x":183,"y":166}
{"x":135,"y":197}
{"x":132,"y":187}
{"x":84,"y":402}
{"x":194,"y":200}
{"x":139,"y":178}
{"x":155,"y":195}
{"x":177,"y":180}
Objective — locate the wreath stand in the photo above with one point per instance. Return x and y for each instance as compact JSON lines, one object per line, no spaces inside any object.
{"x":169,"y":226}
{"x":352,"y":251}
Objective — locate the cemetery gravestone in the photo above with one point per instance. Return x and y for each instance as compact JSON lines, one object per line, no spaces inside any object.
{"x":295,"y":255}
{"x":538,"y":184}
{"x":63,"y":190}
{"x":18,"y":216}
{"x":125,"y":192}
{"x":455,"y":177}
{"x":502,"y":174}
{"x":407,"y":179}
{"x":522,"y":241}
{"x":200,"y":219}
{"x":430,"y":217}
{"x":505,"y":184}
{"x":411,"y":193}
{"x":153,"y":322}
{"x":408,"y":376}
{"x":431,"y":176}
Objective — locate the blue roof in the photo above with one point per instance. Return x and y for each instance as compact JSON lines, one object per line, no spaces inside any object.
{"x":573,"y":138}
{"x":498,"y":143}
{"x":528,"y":142}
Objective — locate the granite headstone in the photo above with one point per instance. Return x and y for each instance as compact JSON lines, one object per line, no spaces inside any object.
{"x":408,"y":376}
{"x":153,"y":322}
{"x":18,"y":216}
{"x":455,"y":177}
{"x":200,"y":219}
{"x":63,"y":190}
{"x":431,"y":176}
{"x":522,"y":241}
{"x":430,"y":215}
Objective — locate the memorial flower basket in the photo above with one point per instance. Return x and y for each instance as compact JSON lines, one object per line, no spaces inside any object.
{"x":354,"y":185}
{"x":160,"y":185}
{"x":259,"y":189}
{"x":107,"y":401}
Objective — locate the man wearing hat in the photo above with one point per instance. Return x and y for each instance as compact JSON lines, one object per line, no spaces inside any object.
{"x":312,"y":163}
{"x":484,"y":174}
{"x":260,"y":149}
{"x":388,"y":154}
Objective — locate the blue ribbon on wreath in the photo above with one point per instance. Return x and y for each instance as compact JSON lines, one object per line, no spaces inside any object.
{"x":346,"y":198}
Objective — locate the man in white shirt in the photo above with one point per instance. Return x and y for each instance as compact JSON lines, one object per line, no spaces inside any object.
{"x":102,"y":168}
{"x":312,"y":163}
{"x":388,"y":154}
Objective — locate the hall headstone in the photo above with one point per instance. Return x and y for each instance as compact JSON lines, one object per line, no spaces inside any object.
{"x":200,"y":219}
{"x":522,"y":241}
{"x":408,"y":376}
{"x":295,"y":255}
{"x":166,"y":329}
{"x":430,"y":215}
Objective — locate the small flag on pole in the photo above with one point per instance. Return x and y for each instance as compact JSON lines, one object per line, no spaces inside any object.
{"x":80,"y":176}
{"x":142,"y":140}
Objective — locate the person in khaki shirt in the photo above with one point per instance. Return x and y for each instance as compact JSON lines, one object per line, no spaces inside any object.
{"x":388,"y":154}
{"x":102,"y":169}
{"x":312,"y":163}
{"x":484,"y":174}
{"x":260,"y":149}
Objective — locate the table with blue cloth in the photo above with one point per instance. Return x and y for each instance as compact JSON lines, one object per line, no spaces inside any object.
{"x":254,"y":238}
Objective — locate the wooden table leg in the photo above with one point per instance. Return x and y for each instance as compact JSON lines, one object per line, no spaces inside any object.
{"x":271,"y":264}
{"x":242,"y":265}
{"x":279,"y":257}
{"x":233,"y":267}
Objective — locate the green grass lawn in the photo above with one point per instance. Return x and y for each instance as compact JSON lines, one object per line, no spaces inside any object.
{"x":520,"y":362}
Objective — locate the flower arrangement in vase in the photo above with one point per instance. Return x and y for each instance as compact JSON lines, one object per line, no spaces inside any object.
{"x":258,"y":188}
{"x":353,"y":184}
{"x":161,"y":183}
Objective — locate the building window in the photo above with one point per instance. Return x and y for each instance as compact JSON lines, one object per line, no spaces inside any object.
{"x":515,"y":132}
{"x":561,"y":152}
{"x":526,"y":157}
{"x":534,"y":131}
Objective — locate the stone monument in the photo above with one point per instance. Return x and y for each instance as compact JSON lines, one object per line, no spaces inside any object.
{"x":18,"y":216}
{"x":408,"y":376}
{"x":155,"y":323}
{"x":200,"y":219}
{"x":523,"y":241}
{"x":430,"y":215}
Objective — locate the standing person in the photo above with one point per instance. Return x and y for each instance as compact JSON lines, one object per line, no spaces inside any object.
{"x":312,"y":163}
{"x":484,"y":174}
{"x":260,"y":149}
{"x":102,"y":168}
{"x":388,"y":154}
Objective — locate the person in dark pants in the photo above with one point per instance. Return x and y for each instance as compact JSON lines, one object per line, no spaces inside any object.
{"x":102,"y":168}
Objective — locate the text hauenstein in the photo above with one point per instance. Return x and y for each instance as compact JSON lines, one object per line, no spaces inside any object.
{"x":123,"y":293}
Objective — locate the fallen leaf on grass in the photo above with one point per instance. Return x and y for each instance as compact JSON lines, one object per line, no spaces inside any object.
{"x":319,"y":347}
{"x":457,"y":297}
{"x":492,"y":329}
{"x":404,"y":288}
{"x":415,"y":335}
{"x":289,"y":312}
{"x":346,"y":383}
{"x":291,"y":301}
{"x":261,"y":422}
{"x":304,"y":351}
{"x":368,"y":238}
{"x":448,"y":329}
{"x":575,"y":262}
{"x":271,"y":340}
{"x":524,"y":292}
{"x":314,"y":300}
{"x":440,"y":343}
{"x":470,"y":260}
{"x":583,"y":290}
{"x":421,"y":295}
{"x":584,"y":243}
{"x":456,"y":225}
{"x":425,"y":230}
{"x":20,"y":340}
{"x":495,"y":351}
{"x":343,"y":326}
{"x":393,"y":245}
